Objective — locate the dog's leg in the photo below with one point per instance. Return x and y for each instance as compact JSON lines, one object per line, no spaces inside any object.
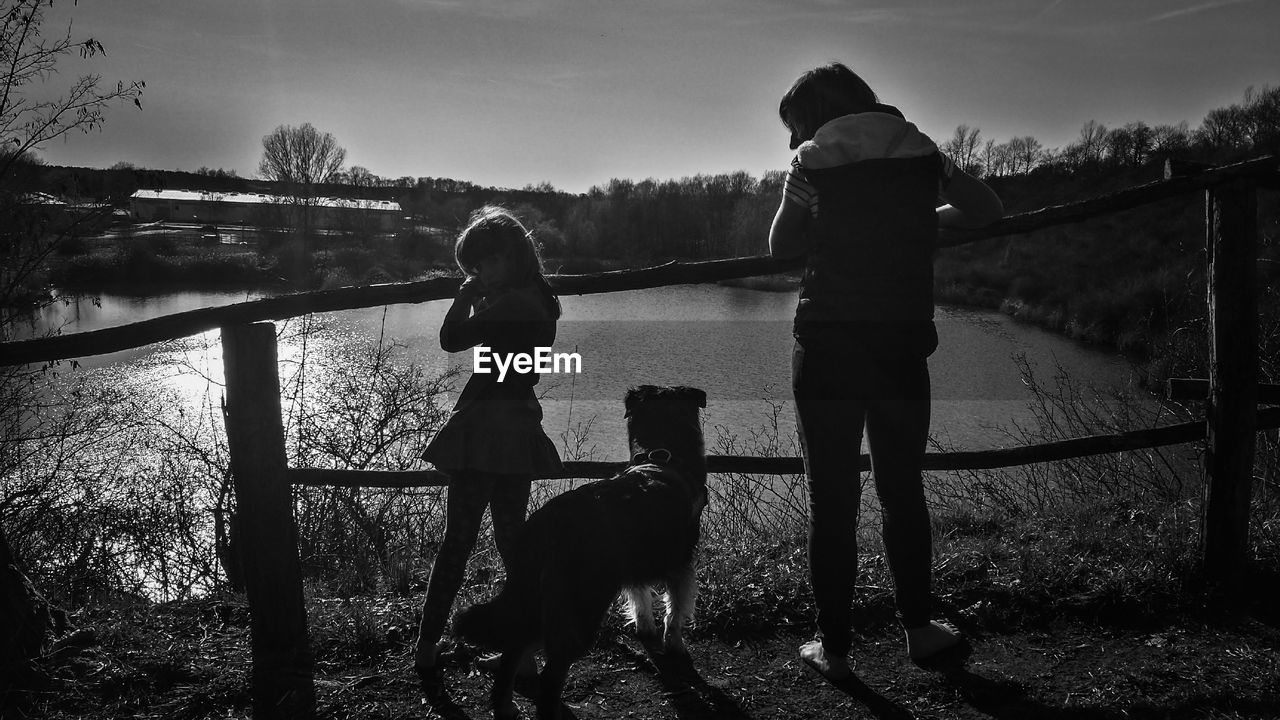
{"x":640,"y":608}
{"x":682,"y":595}
{"x":551,"y":685}
{"x":572,"y":610}
{"x":502,"y":696}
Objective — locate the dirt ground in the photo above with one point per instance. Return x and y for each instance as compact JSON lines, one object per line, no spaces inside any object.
{"x":1075,"y":672}
{"x":191,"y":661}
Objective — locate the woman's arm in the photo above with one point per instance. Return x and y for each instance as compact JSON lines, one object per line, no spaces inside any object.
{"x":786,"y":236}
{"x":971,"y":204}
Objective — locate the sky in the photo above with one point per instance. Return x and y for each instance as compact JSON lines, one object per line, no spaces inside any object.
{"x":575,"y":93}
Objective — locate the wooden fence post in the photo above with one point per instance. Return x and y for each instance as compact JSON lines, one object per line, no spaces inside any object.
{"x":1231,"y":245}
{"x":264,"y":526}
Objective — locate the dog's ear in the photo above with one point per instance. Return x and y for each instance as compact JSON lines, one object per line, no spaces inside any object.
{"x":637,"y":395}
{"x":694,"y":395}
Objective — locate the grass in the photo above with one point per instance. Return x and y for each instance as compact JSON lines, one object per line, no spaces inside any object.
{"x":190,"y":660}
{"x":160,"y":263}
{"x":1055,"y":581}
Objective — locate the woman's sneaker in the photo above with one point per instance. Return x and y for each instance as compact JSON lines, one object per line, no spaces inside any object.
{"x":930,"y":643}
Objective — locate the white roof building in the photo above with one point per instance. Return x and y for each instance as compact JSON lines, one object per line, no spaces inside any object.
{"x":261,"y":209}
{"x":259,"y":198}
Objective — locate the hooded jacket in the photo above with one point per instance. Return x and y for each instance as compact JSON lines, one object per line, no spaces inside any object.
{"x":876,"y":179}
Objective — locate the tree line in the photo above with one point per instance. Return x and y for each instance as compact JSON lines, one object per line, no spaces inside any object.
{"x":703,"y":216}
{"x":708,"y":216}
{"x":1252,"y":125}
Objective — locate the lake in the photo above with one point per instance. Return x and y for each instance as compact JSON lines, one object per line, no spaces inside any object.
{"x":734,"y":343}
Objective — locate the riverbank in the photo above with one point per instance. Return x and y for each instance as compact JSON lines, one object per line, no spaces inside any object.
{"x":154,"y":258}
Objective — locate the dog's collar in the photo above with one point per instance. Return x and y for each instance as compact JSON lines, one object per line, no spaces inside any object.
{"x":658,"y":463}
{"x":659,"y":456}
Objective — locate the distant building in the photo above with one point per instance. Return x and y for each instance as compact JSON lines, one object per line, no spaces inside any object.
{"x":42,"y":199}
{"x":75,"y":218}
{"x":217,"y":208}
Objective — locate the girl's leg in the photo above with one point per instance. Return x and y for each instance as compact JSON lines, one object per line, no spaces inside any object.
{"x":468,"y":496}
{"x":829,"y":420}
{"x":508,"y":505}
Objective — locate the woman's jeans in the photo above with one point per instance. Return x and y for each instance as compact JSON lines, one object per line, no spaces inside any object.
{"x":847,"y":377}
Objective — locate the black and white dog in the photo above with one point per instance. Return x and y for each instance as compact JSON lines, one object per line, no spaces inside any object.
{"x":627,"y":533}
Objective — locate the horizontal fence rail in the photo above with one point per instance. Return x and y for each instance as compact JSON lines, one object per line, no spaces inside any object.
{"x":97,"y":342}
{"x":750,"y":465}
{"x":1263,"y":171}
{"x":183,"y":324}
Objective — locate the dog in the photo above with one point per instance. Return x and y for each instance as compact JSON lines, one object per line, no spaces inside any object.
{"x":626,"y":534}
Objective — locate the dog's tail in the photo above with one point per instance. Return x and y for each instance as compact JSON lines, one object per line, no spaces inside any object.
{"x":510,"y":618}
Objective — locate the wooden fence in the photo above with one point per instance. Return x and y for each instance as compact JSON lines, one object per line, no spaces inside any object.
{"x":282,"y":677}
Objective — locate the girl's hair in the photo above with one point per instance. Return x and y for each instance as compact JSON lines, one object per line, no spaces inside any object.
{"x":826,"y":93}
{"x":494,"y":230}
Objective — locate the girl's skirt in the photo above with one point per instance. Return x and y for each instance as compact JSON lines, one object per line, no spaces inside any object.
{"x":499,"y":432}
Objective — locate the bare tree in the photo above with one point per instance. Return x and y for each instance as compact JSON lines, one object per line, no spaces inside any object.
{"x":1143,"y":139}
{"x":963,"y":148}
{"x":359,"y":176}
{"x":989,"y":157}
{"x":1093,"y":142}
{"x":27,"y":59}
{"x":1130,"y":145}
{"x":300,"y":156}
{"x":1170,"y":138}
{"x":1224,"y":127}
{"x":28,"y":234}
{"x":27,"y":123}
{"x":999,"y":159}
{"x":1024,"y":154}
{"x":1262,"y":113}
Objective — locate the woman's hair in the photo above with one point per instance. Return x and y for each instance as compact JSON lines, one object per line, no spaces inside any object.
{"x":826,"y":93}
{"x":494,"y":230}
